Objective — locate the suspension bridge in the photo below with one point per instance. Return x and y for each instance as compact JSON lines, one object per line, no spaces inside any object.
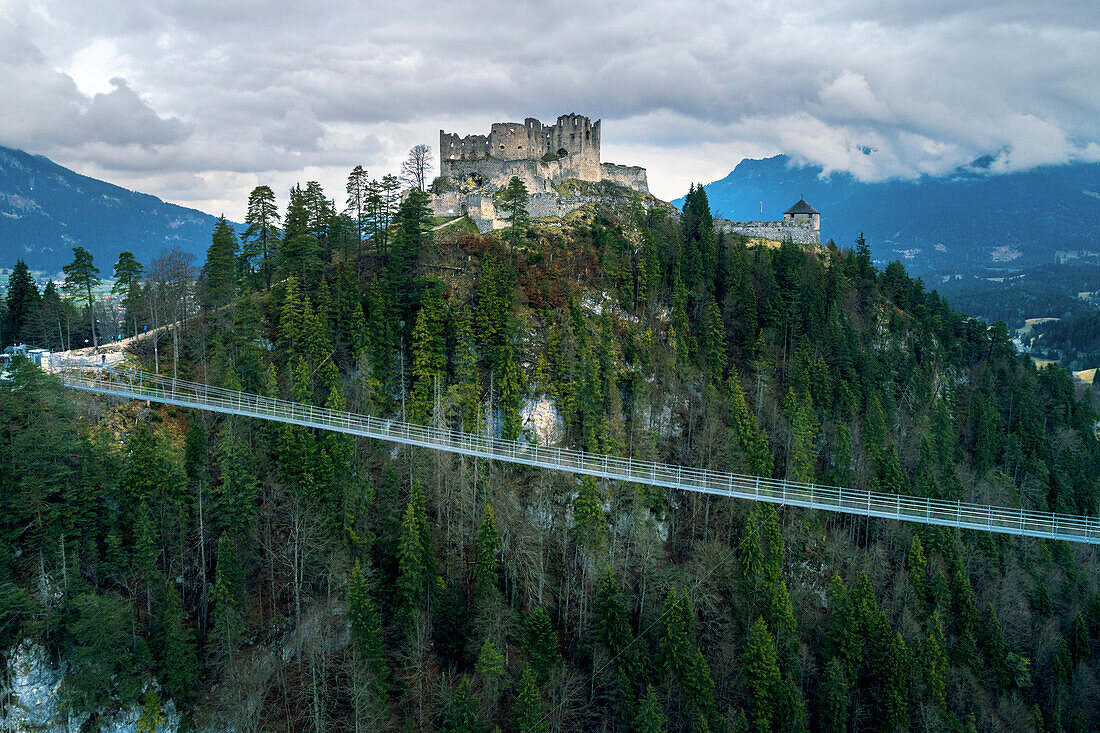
{"x":128,"y":383}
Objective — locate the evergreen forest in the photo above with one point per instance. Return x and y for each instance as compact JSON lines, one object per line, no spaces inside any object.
{"x":261,"y":576}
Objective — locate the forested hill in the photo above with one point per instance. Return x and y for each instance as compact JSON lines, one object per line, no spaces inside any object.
{"x":969,"y":221}
{"x":46,"y":210}
{"x":266,"y":577}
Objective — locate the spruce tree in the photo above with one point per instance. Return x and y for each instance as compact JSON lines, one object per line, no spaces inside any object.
{"x":218,"y":278}
{"x":228,"y":597}
{"x":366,"y":633}
{"x":22,"y":302}
{"x":527,"y":714}
{"x":180,"y":668}
{"x":762,"y":677}
{"x":541,"y":643}
{"x":834,"y":699}
{"x":461,"y":716}
{"x":487,"y":571}
{"x":650,"y":719}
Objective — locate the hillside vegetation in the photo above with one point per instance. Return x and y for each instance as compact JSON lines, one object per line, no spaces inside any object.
{"x":268,"y":577}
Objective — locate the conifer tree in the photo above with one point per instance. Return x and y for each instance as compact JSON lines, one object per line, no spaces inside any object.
{"x":366,"y":633}
{"x":218,"y":277}
{"x":152,"y":718}
{"x":128,"y":272}
{"x":753,"y":442}
{"x":180,"y":668}
{"x":762,"y":677}
{"x":541,"y":643}
{"x":490,"y":667}
{"x":415,"y":559}
{"x":650,"y":719}
{"x":22,"y":303}
{"x":236,"y":496}
{"x":714,"y":342}
{"x":260,"y":241}
{"x":466,"y":387}
{"x":428,"y":358}
{"x":461,"y":716}
{"x":487,"y":572}
{"x":834,"y":699}
{"x":228,"y":598}
{"x":589,"y":520}
{"x":527,"y":713}
{"x":514,"y":203}
{"x":81,"y":276}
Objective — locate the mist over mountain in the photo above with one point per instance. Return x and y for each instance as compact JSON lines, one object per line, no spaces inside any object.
{"x":46,"y":210}
{"x":972,"y":220}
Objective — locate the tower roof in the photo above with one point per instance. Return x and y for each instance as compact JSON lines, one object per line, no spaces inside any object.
{"x":802,"y":208}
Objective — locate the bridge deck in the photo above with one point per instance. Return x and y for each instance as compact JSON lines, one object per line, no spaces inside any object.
{"x":140,"y":385}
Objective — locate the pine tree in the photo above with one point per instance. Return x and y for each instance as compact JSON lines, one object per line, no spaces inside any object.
{"x":81,"y":276}
{"x":260,"y":241}
{"x":514,"y":203}
{"x":357,"y":202}
{"x":128,"y":272}
{"x":527,"y":713}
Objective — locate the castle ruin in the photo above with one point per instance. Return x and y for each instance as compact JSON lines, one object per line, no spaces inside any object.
{"x":801,"y":224}
{"x":474,"y":167}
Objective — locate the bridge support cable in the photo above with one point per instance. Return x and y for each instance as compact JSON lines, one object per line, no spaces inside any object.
{"x":134,"y":384}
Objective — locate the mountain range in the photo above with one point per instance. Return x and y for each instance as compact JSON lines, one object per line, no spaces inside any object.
{"x":971,"y":221}
{"x":46,"y":210}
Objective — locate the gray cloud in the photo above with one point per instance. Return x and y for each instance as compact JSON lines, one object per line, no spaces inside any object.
{"x":203,"y":99}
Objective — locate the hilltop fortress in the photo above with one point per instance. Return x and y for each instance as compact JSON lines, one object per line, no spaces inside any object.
{"x":474,"y":167}
{"x":561,"y":167}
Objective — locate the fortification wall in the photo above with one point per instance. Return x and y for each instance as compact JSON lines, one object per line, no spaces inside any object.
{"x":626,"y":176}
{"x":571,"y":135}
{"x":471,"y":147}
{"x":798,"y":232}
{"x":538,"y":176}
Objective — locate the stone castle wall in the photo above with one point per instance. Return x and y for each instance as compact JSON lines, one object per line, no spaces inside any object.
{"x":799,"y":232}
{"x":570,"y":135}
{"x":539,"y":177}
{"x":626,"y":176}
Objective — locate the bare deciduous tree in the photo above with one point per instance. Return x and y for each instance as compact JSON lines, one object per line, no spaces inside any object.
{"x":414,"y":171}
{"x":171,"y":282}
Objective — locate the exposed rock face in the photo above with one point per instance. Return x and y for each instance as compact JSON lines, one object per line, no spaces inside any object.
{"x":32,"y":700}
{"x":543,"y":420}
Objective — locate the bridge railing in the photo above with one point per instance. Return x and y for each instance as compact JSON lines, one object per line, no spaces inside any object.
{"x":142,"y":385}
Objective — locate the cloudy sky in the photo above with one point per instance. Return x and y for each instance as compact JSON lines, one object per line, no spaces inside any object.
{"x":198,"y":101}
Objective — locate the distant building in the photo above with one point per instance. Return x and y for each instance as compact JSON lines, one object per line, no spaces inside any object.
{"x":802,"y":212}
{"x":801,"y":224}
